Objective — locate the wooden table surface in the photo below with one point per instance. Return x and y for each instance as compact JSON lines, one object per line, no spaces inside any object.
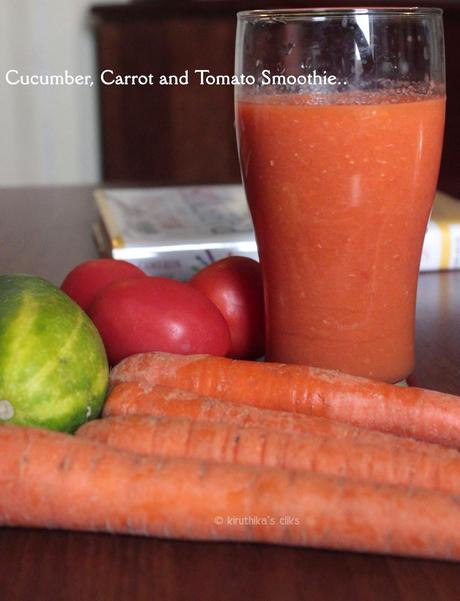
{"x":46,"y":232}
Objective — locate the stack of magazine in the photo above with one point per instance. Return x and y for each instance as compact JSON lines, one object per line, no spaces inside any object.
{"x":176,"y":231}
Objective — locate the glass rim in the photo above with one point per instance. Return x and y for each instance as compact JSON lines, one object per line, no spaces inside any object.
{"x":297,"y":13}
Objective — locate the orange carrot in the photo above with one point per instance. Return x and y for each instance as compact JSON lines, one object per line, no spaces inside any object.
{"x":55,"y":480}
{"x":423,"y":414}
{"x":134,"y":398}
{"x":425,"y":466}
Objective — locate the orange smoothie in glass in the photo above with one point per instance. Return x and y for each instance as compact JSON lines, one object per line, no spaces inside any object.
{"x":340,"y":193}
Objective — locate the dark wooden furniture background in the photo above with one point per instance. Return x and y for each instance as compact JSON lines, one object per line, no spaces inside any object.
{"x":46,"y":232}
{"x":185,"y":134}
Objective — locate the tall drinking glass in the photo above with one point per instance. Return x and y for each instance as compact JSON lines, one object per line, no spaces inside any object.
{"x":340,"y":119}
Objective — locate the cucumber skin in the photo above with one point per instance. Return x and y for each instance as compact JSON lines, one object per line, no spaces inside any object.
{"x":53,"y":365}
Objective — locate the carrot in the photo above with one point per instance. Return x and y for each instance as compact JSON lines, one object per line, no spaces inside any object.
{"x":55,"y":480}
{"x":425,"y":466}
{"x":134,"y":398}
{"x":423,"y":414}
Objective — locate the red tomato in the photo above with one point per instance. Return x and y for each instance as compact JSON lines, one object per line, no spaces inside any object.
{"x":86,"y":280}
{"x":156,"y":314}
{"x":235,"y":286}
